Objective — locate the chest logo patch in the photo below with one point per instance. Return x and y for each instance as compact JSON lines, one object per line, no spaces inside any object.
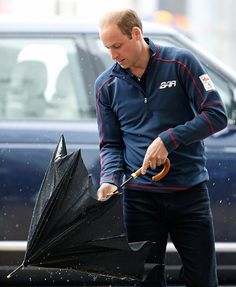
{"x":168,"y":84}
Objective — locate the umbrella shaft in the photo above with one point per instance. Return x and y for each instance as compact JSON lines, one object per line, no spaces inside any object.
{"x":124,"y":183}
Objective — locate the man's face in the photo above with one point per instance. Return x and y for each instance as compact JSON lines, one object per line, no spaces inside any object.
{"x":122,"y":49}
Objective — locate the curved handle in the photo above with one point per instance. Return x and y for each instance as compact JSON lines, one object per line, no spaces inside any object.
{"x":159,"y":175}
{"x":163,"y":172}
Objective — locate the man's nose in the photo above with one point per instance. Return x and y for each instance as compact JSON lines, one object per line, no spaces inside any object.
{"x":114,"y":54}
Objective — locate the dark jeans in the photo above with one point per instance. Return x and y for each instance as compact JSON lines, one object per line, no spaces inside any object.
{"x":185,"y":217}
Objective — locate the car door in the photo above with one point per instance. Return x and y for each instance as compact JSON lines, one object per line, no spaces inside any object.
{"x":46,"y":90}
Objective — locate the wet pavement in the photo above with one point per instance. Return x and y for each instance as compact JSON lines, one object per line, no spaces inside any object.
{"x":37,"y":277}
{"x":63,"y":278}
{"x":94,"y":286}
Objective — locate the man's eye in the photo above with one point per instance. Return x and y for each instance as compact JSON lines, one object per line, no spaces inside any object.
{"x":117,"y":46}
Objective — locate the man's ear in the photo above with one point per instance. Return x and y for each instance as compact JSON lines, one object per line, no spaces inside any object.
{"x":136,"y":33}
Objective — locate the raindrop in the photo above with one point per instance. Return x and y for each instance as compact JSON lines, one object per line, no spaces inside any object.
{"x":17,"y":225}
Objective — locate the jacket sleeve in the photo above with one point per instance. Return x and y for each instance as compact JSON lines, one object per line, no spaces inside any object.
{"x":111,"y":143}
{"x":210,"y":115}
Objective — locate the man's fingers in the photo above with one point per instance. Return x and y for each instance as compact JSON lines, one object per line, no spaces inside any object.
{"x":156,"y":155}
{"x":105,"y":191}
{"x":153,"y":164}
{"x":100,"y":195}
{"x":145,"y":166}
{"x":103,"y":196}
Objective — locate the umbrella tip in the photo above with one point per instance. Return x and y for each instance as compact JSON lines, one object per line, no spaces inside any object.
{"x":14,"y":271}
{"x":61,"y":148}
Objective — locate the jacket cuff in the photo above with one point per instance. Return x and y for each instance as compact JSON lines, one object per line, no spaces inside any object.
{"x":115,"y":179}
{"x":169,"y":140}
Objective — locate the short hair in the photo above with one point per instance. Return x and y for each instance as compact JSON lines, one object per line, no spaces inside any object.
{"x":126,"y":20}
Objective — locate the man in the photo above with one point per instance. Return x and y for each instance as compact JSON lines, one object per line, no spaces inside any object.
{"x":156,"y":102}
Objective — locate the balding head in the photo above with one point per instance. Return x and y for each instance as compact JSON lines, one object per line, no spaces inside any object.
{"x":125,"y":19}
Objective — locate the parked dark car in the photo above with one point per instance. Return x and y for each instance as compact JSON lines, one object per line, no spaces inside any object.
{"x":47,"y":77}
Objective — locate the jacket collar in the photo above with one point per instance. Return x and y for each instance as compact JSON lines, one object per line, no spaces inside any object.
{"x":117,"y":68}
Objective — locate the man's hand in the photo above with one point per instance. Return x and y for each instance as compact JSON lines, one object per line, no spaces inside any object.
{"x":105,"y":191}
{"x":156,"y":155}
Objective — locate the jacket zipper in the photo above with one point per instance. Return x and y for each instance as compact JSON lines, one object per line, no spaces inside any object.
{"x":145,"y":98}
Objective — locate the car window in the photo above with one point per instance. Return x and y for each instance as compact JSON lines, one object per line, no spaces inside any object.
{"x":43,"y":79}
{"x":53,"y":79}
{"x":97,"y":49}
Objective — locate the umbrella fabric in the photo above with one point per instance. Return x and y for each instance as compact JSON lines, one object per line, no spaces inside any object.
{"x":70,"y":228}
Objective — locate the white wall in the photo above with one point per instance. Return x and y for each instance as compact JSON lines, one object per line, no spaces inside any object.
{"x":85,"y":10}
{"x":214,"y":27}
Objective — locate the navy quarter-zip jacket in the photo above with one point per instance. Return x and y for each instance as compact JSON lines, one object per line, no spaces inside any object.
{"x":177,"y":102}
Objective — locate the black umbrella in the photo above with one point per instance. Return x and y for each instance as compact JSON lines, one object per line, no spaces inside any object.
{"x":70,"y":228}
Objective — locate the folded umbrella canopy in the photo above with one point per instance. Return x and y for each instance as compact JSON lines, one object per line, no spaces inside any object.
{"x":70,"y":228}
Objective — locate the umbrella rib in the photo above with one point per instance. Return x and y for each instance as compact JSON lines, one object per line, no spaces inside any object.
{"x":15,"y":270}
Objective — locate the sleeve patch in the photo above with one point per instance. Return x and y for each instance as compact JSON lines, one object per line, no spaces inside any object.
{"x":207,"y":82}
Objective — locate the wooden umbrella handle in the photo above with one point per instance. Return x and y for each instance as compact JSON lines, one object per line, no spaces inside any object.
{"x":159,"y":175}
{"x":163,"y":172}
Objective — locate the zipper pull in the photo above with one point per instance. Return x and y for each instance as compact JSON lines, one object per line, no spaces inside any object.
{"x":145,"y":100}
